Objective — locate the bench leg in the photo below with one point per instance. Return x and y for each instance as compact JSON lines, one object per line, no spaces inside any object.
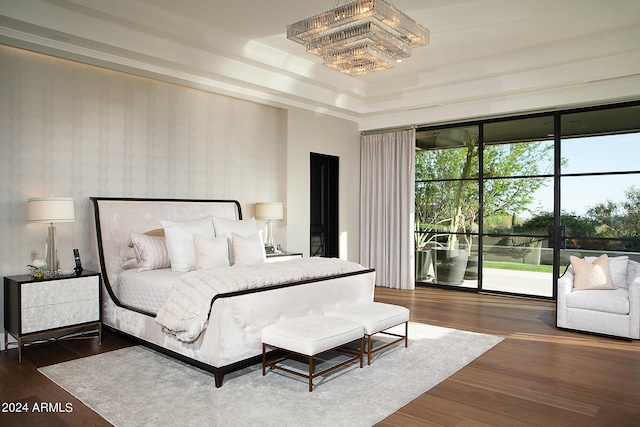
{"x":406,"y":334}
{"x":310,"y":374}
{"x":264,"y":360}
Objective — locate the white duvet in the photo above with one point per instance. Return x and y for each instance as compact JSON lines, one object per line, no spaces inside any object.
{"x":186,"y":312}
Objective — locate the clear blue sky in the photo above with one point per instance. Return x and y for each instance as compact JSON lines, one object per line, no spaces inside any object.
{"x":594,"y":154}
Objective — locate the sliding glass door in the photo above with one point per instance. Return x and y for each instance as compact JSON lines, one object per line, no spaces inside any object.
{"x":600,"y":183}
{"x":447,"y":206}
{"x":501,"y":205}
{"x":518,"y":206}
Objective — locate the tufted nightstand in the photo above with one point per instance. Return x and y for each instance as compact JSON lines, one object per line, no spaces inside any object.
{"x":34,"y":308}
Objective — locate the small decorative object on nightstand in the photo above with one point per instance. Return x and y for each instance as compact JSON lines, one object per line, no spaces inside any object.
{"x":34,"y":308}
{"x":37,"y":269}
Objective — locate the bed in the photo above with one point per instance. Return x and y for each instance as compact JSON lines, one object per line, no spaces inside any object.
{"x":231,"y":336}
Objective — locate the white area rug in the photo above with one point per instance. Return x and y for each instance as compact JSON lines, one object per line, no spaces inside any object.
{"x":136,"y":386}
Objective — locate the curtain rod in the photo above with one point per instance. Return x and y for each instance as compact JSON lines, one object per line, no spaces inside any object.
{"x":377,"y":131}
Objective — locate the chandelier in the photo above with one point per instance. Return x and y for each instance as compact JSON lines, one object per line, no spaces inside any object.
{"x":359,"y":37}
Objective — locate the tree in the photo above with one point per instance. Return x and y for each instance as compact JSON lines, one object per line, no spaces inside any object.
{"x":447,"y":190}
{"x":631,"y":221}
{"x":576,"y":225}
{"x":605,"y":220}
{"x":617,"y":220}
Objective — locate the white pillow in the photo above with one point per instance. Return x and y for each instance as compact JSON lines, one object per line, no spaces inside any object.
{"x":591,"y":275}
{"x":131,"y":263}
{"x":242,"y":227}
{"x":248,"y":250}
{"x":617,"y":270}
{"x":128,"y":257}
{"x":211,"y":253}
{"x":151,"y":252}
{"x":179,"y":235}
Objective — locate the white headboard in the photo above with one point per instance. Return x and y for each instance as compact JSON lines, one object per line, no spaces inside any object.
{"x":116,"y":218}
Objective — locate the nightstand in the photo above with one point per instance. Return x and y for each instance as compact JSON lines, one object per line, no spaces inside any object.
{"x":45,"y":307}
{"x":283,"y":256}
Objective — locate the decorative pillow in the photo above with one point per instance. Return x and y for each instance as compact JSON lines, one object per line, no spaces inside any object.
{"x":151,"y":252}
{"x":128,"y":258}
{"x":591,"y":275}
{"x":179,"y":235}
{"x":157,"y":232}
{"x":248,"y":250}
{"x":617,"y":270}
{"x":130,"y":264}
{"x":211,"y":253}
{"x":242,"y":227}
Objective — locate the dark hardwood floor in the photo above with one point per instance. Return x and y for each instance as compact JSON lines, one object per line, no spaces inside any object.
{"x":538,"y":376}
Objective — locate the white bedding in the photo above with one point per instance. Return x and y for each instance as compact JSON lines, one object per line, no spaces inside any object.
{"x":146,"y":290}
{"x":186,"y":312}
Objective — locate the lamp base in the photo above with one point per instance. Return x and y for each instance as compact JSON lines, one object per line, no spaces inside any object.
{"x":52,"y":259}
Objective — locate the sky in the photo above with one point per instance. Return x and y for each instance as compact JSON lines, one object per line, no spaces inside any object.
{"x":611,"y":153}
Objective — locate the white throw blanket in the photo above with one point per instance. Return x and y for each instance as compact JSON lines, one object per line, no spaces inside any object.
{"x":186,"y":312}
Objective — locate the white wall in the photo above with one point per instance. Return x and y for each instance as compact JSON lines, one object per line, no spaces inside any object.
{"x":68,"y":129}
{"x":310,"y":132}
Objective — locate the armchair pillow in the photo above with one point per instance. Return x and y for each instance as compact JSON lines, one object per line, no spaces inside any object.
{"x":589,"y":275}
{"x":617,"y":270}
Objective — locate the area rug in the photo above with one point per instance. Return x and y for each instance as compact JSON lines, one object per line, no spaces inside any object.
{"x":136,"y":386}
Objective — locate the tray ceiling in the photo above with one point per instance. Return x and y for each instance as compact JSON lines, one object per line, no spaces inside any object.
{"x":479,"y":50}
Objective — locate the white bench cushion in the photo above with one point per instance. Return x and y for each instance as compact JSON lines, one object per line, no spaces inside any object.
{"x":374,"y":316}
{"x":311,"y":335}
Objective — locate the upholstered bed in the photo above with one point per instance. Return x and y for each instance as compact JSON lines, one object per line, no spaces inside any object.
{"x":137,"y":292}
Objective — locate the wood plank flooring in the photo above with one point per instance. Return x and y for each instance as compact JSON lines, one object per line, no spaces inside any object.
{"x":538,"y":376}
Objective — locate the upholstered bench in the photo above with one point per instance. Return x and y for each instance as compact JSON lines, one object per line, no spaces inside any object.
{"x":309,"y":336}
{"x":375,"y":317}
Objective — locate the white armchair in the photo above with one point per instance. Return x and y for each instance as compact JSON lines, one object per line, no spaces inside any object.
{"x":613,"y":312}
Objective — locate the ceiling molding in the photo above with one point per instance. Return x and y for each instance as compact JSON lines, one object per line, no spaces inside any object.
{"x":173,"y":42}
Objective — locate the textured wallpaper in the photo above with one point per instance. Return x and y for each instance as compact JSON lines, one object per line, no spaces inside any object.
{"x":72,"y":130}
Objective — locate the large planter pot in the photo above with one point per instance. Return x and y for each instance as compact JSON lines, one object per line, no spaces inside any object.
{"x":423,"y":263}
{"x":471,"y":272}
{"x":449,"y":265}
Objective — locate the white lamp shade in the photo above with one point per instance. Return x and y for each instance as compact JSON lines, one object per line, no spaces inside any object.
{"x":269,"y":211}
{"x":51,"y":209}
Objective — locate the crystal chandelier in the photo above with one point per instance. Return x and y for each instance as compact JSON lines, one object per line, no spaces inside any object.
{"x":359,"y":37}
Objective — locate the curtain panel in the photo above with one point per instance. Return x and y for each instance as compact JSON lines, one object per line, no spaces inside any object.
{"x":387,"y":207}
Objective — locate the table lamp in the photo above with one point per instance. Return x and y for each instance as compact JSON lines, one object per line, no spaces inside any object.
{"x":269,"y":212}
{"x":51,"y":210}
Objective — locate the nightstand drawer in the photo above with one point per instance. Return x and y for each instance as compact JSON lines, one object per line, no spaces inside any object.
{"x":60,"y":315}
{"x":37,"y":294}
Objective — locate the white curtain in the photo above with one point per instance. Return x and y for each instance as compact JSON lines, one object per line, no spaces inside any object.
{"x":387,"y":207}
